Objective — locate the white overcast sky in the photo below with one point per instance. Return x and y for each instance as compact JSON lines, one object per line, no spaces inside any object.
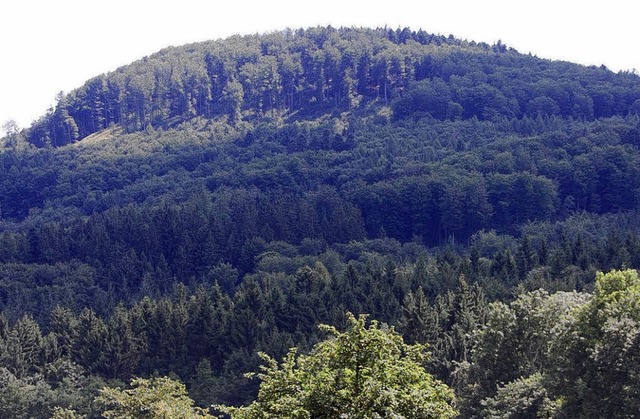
{"x":47,"y":46}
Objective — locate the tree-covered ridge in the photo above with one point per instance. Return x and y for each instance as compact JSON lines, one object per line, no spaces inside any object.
{"x":210,"y":202}
{"x":295,"y":74}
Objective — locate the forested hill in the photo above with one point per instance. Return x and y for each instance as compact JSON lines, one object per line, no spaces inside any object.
{"x":297,"y":74}
{"x":183,"y":213}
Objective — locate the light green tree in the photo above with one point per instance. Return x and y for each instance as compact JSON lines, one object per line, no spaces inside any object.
{"x":365,"y":372}
{"x":599,"y":353}
{"x":63,"y":413}
{"x":149,"y":399}
{"x":521,"y":398}
{"x":511,"y":357}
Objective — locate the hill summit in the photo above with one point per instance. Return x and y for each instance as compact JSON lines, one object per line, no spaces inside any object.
{"x":298,"y":74}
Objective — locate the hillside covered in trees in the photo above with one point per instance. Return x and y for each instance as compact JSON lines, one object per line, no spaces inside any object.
{"x":182,"y":214}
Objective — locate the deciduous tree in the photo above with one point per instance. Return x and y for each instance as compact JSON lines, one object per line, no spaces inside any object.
{"x":364,"y":372}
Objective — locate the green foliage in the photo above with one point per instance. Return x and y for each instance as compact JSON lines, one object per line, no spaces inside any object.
{"x":62,"y":413}
{"x":203,"y":384}
{"x":521,"y":398}
{"x":149,"y":398}
{"x":363,"y":372}
{"x":518,"y":341}
{"x":616,"y":294}
{"x":213,"y":201}
{"x":62,"y":385}
{"x":23,"y":398}
{"x":599,"y":351}
{"x":448,"y":327}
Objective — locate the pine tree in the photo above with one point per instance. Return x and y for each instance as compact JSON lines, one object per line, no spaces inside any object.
{"x":64,"y":327}
{"x":124,"y":346}
{"x":24,"y":347}
{"x":203,"y":384}
{"x":89,"y":350}
{"x":417,"y":317}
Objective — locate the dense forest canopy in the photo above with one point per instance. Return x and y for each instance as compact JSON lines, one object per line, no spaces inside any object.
{"x":182,"y":214}
{"x":296,"y":73}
